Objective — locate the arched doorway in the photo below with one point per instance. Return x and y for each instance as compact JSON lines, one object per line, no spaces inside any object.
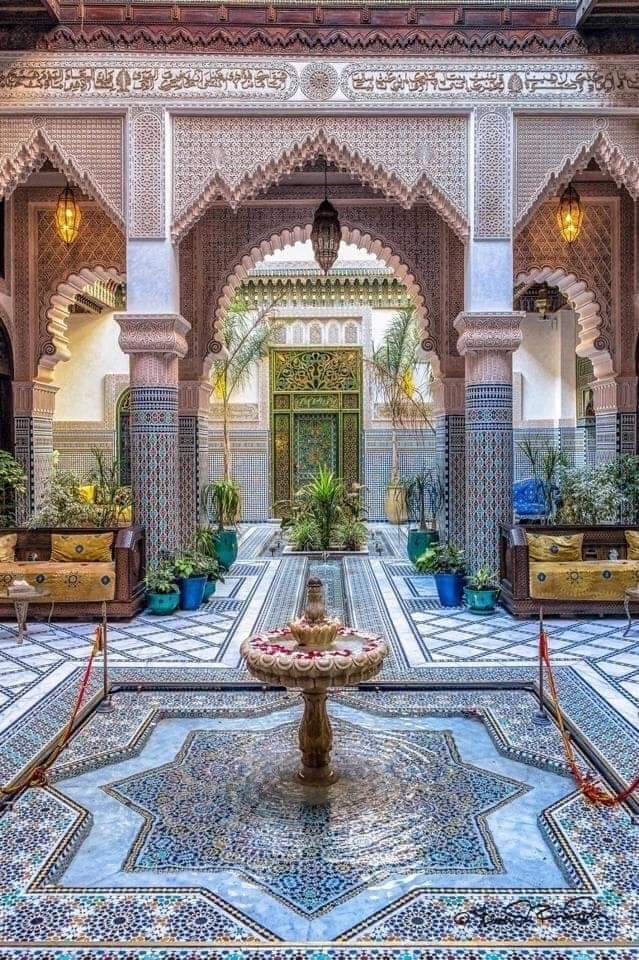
{"x":6,"y":391}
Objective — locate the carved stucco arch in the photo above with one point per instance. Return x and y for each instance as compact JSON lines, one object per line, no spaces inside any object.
{"x":88,"y":280}
{"x":346,"y":158}
{"x":33,"y":153}
{"x":610,"y":158}
{"x":353,"y":235}
{"x":591,"y":343}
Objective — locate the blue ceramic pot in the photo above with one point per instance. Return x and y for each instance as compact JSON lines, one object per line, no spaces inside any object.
{"x":450,"y":589}
{"x":226,"y":547}
{"x":191,"y":592}
{"x":162,"y":603}
{"x":480,"y":601}
{"x":209,"y":589}
{"x":419,"y":541}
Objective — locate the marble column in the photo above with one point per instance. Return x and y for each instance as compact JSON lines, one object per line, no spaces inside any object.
{"x":487,"y":341}
{"x":194,"y":430}
{"x":33,"y":407}
{"x":155,"y":343}
{"x":450,"y":448}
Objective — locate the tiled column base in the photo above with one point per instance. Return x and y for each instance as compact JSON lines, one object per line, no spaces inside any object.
{"x":33,"y":430}
{"x":487,"y":342}
{"x":154,"y":343}
{"x":615,"y":435}
{"x":451,"y":458}
{"x":194,"y":461}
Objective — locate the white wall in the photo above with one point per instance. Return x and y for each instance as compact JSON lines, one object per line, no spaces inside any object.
{"x":95,"y":352}
{"x":546,"y":364}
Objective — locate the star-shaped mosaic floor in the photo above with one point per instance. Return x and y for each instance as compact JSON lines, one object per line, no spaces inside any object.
{"x":229,"y":801}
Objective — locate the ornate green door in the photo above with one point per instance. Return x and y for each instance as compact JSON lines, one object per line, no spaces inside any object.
{"x":315,"y":416}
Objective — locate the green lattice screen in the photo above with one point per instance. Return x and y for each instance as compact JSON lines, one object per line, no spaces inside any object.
{"x":316,"y":405}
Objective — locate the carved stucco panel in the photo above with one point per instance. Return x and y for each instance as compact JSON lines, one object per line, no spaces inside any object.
{"x":493,"y":191}
{"x":236,"y":157}
{"x":146,"y":209}
{"x":551,"y":149}
{"x":88,"y":149}
{"x":233,"y":241}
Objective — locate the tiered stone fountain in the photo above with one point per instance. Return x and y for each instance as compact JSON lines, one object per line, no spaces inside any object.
{"x":313,"y":654}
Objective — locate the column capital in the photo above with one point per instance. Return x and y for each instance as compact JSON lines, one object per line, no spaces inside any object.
{"x":494,"y":332}
{"x":153,"y":333}
{"x":449,"y":395}
{"x":194,"y":398}
{"x":33,"y":399}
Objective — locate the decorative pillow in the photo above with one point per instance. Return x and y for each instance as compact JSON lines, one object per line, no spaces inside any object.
{"x":81,"y":547}
{"x":632,"y":539}
{"x":549,"y":547}
{"x":8,"y":547}
{"x":87,"y":492}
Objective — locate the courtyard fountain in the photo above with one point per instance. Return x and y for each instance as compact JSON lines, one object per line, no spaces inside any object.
{"x":314,"y":653}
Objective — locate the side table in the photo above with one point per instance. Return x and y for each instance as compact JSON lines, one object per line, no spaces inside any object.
{"x":21,"y":603}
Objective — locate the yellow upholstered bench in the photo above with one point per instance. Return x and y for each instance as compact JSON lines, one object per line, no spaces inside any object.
{"x":63,"y":582}
{"x":582,"y":579}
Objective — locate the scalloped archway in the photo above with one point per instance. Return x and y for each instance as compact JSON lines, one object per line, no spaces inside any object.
{"x":33,"y":153}
{"x":98,"y":283}
{"x":352,"y":235}
{"x":592,"y":344}
{"x":620,"y":168}
{"x":343,"y":156}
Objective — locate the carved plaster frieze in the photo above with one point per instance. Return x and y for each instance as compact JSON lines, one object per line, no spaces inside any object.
{"x":88,"y":152}
{"x":194,"y":398}
{"x":239,"y":412}
{"x":146,"y":173}
{"x":450,"y":83}
{"x":494,"y":331}
{"x":237,"y":157}
{"x":449,"y":396}
{"x":493,"y":175}
{"x":552,"y":149}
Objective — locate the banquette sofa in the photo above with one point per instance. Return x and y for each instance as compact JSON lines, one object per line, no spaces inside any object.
{"x":567,"y":570}
{"x":77,"y":568}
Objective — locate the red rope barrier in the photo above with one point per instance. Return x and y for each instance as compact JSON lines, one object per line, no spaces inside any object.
{"x":584,"y":781}
{"x":38,"y":776}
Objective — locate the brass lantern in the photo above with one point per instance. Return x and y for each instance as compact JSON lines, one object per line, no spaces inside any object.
{"x":570,"y":214}
{"x":326,"y":232}
{"x":67,"y":215}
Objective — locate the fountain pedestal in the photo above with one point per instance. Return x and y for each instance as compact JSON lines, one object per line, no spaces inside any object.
{"x":313,"y":654}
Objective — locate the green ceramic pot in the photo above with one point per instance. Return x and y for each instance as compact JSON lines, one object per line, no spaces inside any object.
{"x":419,"y":541}
{"x":480,"y":601}
{"x":209,"y":589}
{"x":163,"y":603}
{"x":226,"y":547}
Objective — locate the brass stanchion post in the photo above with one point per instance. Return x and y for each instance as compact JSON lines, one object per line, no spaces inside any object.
{"x":106,"y":704}
{"x":540,"y":716}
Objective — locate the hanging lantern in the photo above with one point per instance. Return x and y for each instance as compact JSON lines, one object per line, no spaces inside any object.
{"x":570,"y":214}
{"x":67,"y":216}
{"x":326,"y":233}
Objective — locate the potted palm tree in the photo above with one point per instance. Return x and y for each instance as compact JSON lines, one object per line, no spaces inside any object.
{"x":246,"y":339}
{"x":322,"y":498}
{"x":163,"y":595}
{"x":393,"y":365}
{"x":446,"y":564}
{"x":425,"y":496}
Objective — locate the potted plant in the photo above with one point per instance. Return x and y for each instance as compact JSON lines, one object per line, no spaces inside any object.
{"x":351,"y":533}
{"x":322,"y":498}
{"x":446,"y":564}
{"x":304,"y":534}
{"x":191,"y":574}
{"x":163,"y":595}
{"x":393,"y":365}
{"x":13,"y":483}
{"x":425,"y":496}
{"x":222,"y":504}
{"x":481,"y":591}
{"x":206,"y":544}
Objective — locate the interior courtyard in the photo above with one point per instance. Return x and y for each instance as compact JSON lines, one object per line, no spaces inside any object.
{"x":319,"y":480}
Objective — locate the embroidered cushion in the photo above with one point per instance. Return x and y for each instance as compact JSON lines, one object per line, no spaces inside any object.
{"x":583,"y":580}
{"x":81,"y":547}
{"x":63,"y":582}
{"x":545,"y":547}
{"x":632,"y":539}
{"x":8,"y":547}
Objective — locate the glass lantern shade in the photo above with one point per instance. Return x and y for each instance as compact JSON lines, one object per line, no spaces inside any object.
{"x":326,"y":235}
{"x":67,"y":216}
{"x":570,"y":214}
